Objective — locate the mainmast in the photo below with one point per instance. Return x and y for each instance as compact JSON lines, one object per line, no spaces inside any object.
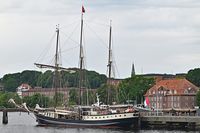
{"x":109,"y":64}
{"x":81,"y":56}
{"x":56,"y":72}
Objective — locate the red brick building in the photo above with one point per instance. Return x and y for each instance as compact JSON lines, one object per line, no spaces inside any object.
{"x":26,"y":90}
{"x":172,"y":93}
{"x":49,"y":92}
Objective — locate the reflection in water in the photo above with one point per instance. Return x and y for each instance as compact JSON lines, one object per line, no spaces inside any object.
{"x":24,"y":123}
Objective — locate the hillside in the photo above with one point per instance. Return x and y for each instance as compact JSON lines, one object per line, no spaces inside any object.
{"x":36,"y":78}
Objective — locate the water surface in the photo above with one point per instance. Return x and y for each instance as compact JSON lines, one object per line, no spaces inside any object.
{"x":25,"y":123}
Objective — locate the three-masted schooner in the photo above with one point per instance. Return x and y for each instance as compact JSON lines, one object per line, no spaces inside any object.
{"x":82,"y":116}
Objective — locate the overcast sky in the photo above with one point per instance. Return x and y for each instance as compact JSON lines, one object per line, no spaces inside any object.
{"x":159,"y":36}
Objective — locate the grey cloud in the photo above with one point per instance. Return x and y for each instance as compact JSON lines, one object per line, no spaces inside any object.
{"x":153,"y":33}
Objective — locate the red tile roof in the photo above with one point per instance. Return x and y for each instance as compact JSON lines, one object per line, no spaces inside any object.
{"x":25,"y":86}
{"x":177,"y":85}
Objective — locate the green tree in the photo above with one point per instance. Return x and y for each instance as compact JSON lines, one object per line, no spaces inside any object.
{"x":134,"y":88}
{"x":46,"y":79}
{"x":107,"y":94}
{"x":39,"y":99}
{"x":35,"y":78}
{"x":29,"y":77}
{"x":88,"y":97}
{"x":95,"y":79}
{"x":194,"y":76}
{"x":5,"y":96}
{"x":73,"y":97}
{"x":11,"y":81}
{"x":60,"y":99}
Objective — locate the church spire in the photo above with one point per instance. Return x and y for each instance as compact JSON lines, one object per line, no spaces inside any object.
{"x":133,"y":70}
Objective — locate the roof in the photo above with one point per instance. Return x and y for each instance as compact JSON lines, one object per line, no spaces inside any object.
{"x":25,"y":86}
{"x":173,"y":86}
{"x":39,"y":89}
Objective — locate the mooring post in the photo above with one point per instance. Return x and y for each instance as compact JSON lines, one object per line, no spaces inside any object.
{"x":5,"y":117}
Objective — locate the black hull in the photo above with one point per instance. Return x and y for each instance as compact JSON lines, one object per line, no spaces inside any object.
{"x":115,"y":123}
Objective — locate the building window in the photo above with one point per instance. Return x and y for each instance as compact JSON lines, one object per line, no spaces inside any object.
{"x":186,"y":91}
{"x":175,"y":98}
{"x":192,"y":98}
{"x":174,"y":104}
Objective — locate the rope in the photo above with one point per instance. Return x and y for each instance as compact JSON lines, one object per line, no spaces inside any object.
{"x":46,"y":49}
{"x":28,"y":114}
{"x":101,"y":40}
{"x":69,"y":37}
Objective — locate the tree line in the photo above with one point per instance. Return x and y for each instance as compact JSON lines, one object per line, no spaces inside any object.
{"x":132,"y":88}
{"x":45,"y":80}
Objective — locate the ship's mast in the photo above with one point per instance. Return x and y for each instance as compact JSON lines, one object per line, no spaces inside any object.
{"x":56,"y":72}
{"x":81,"y":56}
{"x":56,"y":78}
{"x":56,"y":67}
{"x":109,"y":64}
{"x":110,"y":55}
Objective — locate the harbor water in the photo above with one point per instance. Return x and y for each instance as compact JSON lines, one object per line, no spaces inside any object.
{"x":26,"y":123}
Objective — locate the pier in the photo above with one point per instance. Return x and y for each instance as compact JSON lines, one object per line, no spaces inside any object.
{"x":159,"y":120}
{"x":5,"y":113}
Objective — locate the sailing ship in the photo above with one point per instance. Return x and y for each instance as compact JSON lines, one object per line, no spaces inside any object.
{"x":96,"y":115}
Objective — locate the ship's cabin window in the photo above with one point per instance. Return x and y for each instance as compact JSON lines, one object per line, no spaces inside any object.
{"x":115,"y":116}
{"x":95,"y":117}
{"x":107,"y":116}
{"x":103,"y":117}
{"x":99,"y":117}
{"x":124,"y":115}
{"x":119,"y":115}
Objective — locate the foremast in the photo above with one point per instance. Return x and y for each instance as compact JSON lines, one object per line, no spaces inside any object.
{"x":56,"y":67}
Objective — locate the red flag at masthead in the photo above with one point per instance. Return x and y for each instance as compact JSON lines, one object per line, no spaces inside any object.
{"x":83,"y":9}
